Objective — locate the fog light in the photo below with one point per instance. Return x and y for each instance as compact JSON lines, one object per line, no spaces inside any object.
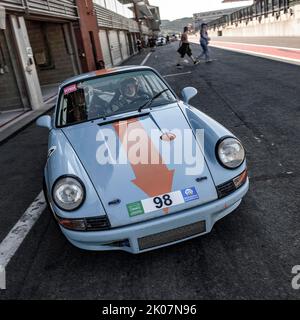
{"x":240,"y":180}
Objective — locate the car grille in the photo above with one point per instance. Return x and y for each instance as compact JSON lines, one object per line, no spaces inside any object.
{"x":225,"y":189}
{"x":97,"y":223}
{"x":173,"y":235}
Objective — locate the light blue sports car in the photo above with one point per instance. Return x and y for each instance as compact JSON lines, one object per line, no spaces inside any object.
{"x":132,"y":167}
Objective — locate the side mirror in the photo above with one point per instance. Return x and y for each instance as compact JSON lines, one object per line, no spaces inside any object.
{"x":44,"y":121}
{"x":188,"y":93}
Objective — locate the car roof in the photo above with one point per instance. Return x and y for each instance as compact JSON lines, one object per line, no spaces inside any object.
{"x":101,"y":72}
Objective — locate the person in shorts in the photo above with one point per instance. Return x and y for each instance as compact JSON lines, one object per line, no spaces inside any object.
{"x":184,"y":48}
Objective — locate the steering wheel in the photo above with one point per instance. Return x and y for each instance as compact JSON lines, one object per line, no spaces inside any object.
{"x":137,"y":102}
{"x":98,"y":107}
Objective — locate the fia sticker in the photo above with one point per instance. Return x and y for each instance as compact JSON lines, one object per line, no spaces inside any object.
{"x":189,"y":194}
{"x":70,"y":89}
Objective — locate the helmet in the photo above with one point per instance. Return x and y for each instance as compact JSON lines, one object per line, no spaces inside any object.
{"x":129,"y":87}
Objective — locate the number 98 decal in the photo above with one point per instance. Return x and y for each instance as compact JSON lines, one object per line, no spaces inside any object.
{"x":165,"y":200}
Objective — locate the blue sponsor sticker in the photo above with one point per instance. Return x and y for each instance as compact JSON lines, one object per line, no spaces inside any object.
{"x":189,"y":194}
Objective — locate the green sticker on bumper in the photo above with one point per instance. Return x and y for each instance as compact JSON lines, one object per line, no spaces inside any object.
{"x":135,"y":209}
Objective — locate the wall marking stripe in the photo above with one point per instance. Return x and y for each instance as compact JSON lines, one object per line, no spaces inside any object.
{"x":213,"y":41}
{"x":290,"y":54}
{"x":256,"y":45}
{"x":261,"y":55}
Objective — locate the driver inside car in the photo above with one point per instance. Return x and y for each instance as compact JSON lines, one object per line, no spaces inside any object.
{"x":129,"y":95}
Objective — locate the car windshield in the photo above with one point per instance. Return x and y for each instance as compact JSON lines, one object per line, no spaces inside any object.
{"x":111,"y":95}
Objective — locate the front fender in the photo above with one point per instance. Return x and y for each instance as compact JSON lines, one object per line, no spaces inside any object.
{"x":213,"y":132}
{"x":64,"y":161}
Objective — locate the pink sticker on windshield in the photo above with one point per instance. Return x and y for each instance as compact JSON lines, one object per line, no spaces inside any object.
{"x":70,"y":89}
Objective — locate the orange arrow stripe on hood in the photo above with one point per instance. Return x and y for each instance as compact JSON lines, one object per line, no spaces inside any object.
{"x":153,"y":178}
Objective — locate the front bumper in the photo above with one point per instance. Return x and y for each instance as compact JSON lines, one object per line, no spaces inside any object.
{"x":127,"y":238}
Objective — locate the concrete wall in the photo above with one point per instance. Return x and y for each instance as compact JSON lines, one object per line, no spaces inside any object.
{"x":61,"y":60}
{"x":285,"y":25}
{"x":9,"y":93}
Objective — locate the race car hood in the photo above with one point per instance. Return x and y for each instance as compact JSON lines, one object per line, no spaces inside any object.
{"x":133,"y":160}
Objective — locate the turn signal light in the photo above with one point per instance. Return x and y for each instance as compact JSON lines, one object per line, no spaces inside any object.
{"x":73,"y":224}
{"x":230,"y":186}
{"x":241,"y":179}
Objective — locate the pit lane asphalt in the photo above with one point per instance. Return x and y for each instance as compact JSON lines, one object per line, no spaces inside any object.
{"x":248,"y":254}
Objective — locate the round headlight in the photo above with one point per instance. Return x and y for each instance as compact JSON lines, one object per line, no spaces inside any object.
{"x":231,"y":153}
{"x":68,"y":193}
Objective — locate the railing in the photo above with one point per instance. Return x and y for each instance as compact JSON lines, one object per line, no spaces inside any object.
{"x":111,"y":20}
{"x":261,"y":8}
{"x":64,"y":8}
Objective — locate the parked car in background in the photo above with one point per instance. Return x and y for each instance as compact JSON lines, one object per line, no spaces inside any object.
{"x":161,"y":41}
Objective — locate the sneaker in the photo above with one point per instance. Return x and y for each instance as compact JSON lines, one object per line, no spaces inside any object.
{"x":179,"y":66}
{"x":196,"y":62}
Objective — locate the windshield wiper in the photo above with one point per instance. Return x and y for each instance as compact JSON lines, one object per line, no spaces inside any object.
{"x":149,"y":102}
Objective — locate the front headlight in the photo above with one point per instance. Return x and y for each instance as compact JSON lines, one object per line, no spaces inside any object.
{"x":68,"y":193}
{"x":230,"y":153}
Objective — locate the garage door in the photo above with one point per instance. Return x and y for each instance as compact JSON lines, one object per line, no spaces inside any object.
{"x":124,"y":45}
{"x":115,"y":48}
{"x":105,"y":48}
{"x":10,"y":96}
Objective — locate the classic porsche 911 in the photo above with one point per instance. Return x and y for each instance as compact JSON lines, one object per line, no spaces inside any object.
{"x":108,"y":179}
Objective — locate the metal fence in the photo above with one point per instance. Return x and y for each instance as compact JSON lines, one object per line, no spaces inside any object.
{"x":261,"y":8}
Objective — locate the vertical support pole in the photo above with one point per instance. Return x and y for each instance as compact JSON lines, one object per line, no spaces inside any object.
{"x":70,"y":44}
{"x":25,"y":53}
{"x":76,"y":55}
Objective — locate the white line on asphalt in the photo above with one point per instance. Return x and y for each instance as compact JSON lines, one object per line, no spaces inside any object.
{"x":177,"y":74}
{"x":146,"y":59}
{"x":17,"y":234}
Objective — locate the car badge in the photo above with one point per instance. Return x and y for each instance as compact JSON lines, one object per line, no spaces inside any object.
{"x":114,"y":202}
{"x":51,"y":151}
{"x":168,"y":136}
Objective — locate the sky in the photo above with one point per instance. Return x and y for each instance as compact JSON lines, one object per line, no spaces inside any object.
{"x":175,"y":9}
